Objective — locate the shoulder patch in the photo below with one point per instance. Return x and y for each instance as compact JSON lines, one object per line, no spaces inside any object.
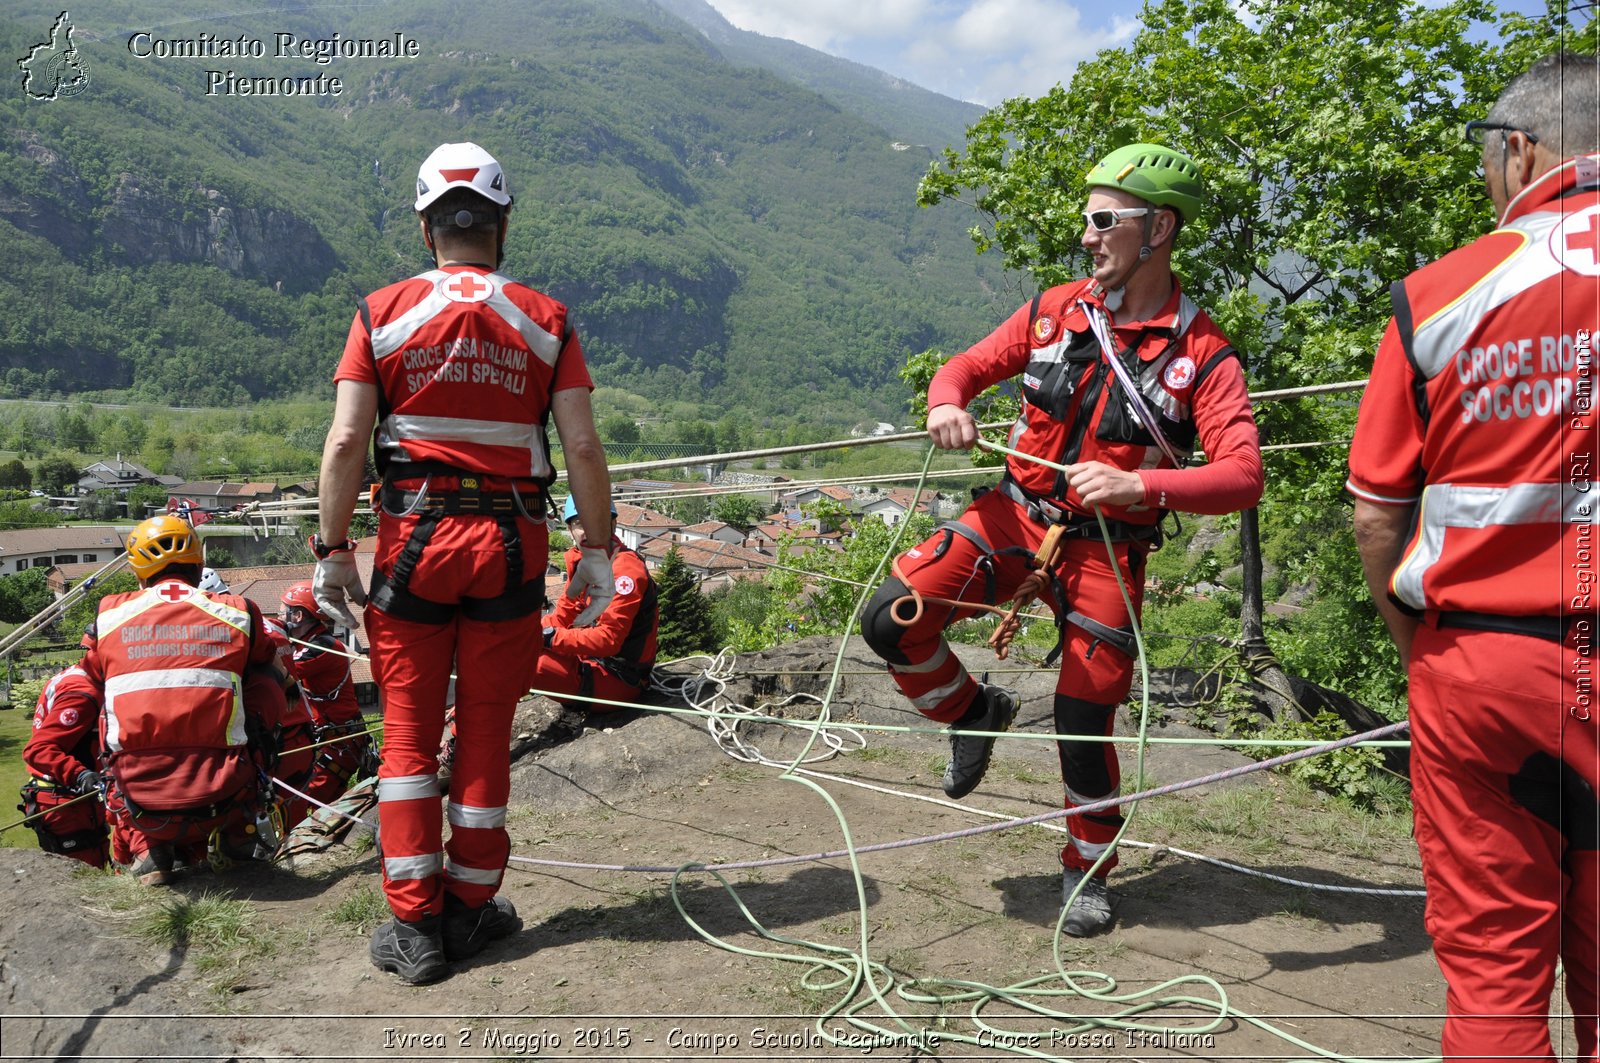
{"x":624,"y":584}
{"x":1044,"y":327}
{"x":1179,"y":372}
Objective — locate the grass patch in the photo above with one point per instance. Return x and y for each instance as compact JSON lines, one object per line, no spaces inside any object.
{"x":361,"y":911}
{"x":16,"y":724}
{"x":1270,"y":820}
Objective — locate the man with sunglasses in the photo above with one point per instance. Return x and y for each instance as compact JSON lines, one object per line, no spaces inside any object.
{"x":1473,"y":471}
{"x":1121,"y":373}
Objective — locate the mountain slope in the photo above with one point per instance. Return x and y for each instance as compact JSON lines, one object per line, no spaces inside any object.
{"x":721,"y":233}
{"x":908,"y":111}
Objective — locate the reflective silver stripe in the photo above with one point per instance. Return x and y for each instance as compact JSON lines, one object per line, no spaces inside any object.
{"x":408,"y":787}
{"x":1349,"y":485}
{"x":1188,"y":310}
{"x":478,"y":876}
{"x":111,"y":619}
{"x":389,"y":338}
{"x":940,"y":655}
{"x":1436,"y":340}
{"x":413,"y":867}
{"x":1053,"y":352}
{"x":50,"y":688}
{"x":1445,"y":506}
{"x":1074,"y":797}
{"x":1089,"y":850}
{"x":481,"y":818}
{"x":176,"y":679}
{"x":932,"y":698}
{"x":546,"y":347}
{"x":396,"y":429}
{"x":238,"y":619}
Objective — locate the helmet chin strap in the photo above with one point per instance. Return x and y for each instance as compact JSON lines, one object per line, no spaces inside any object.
{"x":1112,"y":294}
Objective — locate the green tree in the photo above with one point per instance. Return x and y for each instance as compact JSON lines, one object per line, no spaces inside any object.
{"x":146,"y":500}
{"x":100,"y":505}
{"x":220,"y":557}
{"x":1330,"y":138}
{"x":741,"y":511}
{"x":685,"y":614}
{"x":56,"y":475}
{"x":14,"y":474}
{"x":81,"y":612}
{"x":23,"y":595}
{"x":23,"y":515}
{"x":620,"y":431}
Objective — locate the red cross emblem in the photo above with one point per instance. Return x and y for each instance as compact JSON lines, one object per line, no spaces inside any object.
{"x":1576,"y":242}
{"x":175,"y":591}
{"x":1589,"y":238}
{"x":467,"y":288}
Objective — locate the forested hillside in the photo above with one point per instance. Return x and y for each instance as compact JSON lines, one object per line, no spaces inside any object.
{"x":724,"y":235}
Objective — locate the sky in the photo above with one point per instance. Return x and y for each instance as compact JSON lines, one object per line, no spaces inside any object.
{"x":984,"y":51}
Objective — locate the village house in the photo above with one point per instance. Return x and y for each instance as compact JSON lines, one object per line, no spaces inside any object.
{"x":892,"y":506}
{"x":27,"y":548}
{"x":119,"y":476}
{"x":636,"y":526}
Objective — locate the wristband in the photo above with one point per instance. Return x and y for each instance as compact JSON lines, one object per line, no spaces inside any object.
{"x":322,"y":550}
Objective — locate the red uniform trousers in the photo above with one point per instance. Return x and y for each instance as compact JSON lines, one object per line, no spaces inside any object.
{"x":560,"y":677}
{"x":1493,"y":718}
{"x":494,"y":663}
{"x":1092,"y":670}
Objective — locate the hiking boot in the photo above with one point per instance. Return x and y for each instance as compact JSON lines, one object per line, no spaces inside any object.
{"x":992,"y":710}
{"x":468,"y":930}
{"x":411,"y":950}
{"x":1091,"y":911}
{"x":153,"y":867}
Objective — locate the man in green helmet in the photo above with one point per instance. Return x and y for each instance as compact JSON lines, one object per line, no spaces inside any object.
{"x":1121,"y":374}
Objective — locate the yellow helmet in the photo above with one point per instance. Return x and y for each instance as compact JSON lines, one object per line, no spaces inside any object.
{"x":162,"y":541}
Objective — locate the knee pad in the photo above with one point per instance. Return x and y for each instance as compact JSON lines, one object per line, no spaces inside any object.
{"x":1084,"y":765}
{"x":879,"y":629}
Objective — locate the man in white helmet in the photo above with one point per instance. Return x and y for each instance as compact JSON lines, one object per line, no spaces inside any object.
{"x":460,"y":368}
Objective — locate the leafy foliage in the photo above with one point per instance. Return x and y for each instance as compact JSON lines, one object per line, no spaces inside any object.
{"x":23,"y":596}
{"x":81,"y":613}
{"x":1330,"y":140}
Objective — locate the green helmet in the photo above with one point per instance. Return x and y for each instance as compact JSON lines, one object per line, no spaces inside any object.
{"x":1160,"y":175}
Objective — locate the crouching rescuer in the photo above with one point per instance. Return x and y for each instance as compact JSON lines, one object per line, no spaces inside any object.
{"x":191,"y":701}
{"x":1121,"y":373}
{"x":460,"y":368}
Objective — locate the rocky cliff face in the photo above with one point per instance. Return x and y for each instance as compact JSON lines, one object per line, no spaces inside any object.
{"x":263,"y":243}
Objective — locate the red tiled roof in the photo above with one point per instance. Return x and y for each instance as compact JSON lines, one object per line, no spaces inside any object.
{"x":707,"y":554}
{"x":629,"y":516}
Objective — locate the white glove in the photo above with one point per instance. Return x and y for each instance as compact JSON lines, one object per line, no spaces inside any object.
{"x":336,"y":581}
{"x":592,"y":577}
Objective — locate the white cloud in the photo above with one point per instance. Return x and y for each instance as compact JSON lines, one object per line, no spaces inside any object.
{"x":826,"y":24}
{"x":979,"y":50}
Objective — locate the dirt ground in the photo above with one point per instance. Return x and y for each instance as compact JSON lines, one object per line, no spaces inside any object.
{"x":607,"y":968}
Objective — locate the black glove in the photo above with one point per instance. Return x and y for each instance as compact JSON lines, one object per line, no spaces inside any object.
{"x":87,"y":782}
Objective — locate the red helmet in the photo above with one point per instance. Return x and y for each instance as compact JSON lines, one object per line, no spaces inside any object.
{"x":299,"y":596}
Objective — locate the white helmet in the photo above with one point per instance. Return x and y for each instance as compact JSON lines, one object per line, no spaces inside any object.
{"x":210,"y":581}
{"x":462,"y":165}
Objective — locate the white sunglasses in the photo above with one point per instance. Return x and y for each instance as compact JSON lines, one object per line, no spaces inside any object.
{"x":1105,"y":220}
